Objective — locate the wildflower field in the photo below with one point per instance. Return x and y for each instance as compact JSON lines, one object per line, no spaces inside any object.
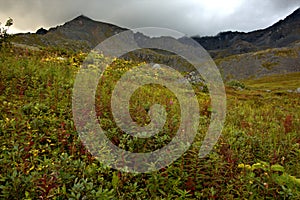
{"x":42,"y":157}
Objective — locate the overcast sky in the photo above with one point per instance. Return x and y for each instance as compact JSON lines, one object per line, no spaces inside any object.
{"x":192,"y":17}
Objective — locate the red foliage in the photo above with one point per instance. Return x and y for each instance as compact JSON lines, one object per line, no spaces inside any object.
{"x":288,"y":122}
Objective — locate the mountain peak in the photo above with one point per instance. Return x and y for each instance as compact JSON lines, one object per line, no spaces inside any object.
{"x":81,"y":29}
{"x":82,"y":17}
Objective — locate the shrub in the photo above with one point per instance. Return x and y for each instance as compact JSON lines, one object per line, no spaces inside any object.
{"x":236,"y":84}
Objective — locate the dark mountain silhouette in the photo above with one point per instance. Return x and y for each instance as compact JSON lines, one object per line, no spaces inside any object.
{"x":83,"y":28}
{"x":281,"y":34}
{"x":81,"y":33}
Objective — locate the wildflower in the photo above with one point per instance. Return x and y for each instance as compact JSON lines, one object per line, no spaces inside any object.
{"x":27,"y":172}
{"x":247,"y":166}
{"x":241,"y":165}
{"x":35,"y":152}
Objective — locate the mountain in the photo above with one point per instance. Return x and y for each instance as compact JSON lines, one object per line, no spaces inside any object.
{"x":87,"y":33}
{"x":81,"y":33}
{"x":281,"y":34}
{"x":239,"y":55}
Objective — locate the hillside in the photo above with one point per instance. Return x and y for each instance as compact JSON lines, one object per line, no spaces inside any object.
{"x":261,"y":63}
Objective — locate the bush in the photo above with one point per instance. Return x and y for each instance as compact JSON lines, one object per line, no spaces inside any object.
{"x":236,"y":84}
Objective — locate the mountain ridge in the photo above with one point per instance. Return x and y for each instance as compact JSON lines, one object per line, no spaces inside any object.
{"x":280,"y":34}
{"x":239,"y":55}
{"x":89,"y":32}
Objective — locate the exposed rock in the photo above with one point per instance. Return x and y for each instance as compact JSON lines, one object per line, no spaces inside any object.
{"x":194,"y":78}
{"x":156,"y":66}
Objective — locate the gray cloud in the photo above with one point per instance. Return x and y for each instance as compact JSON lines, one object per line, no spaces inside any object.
{"x":187,"y":16}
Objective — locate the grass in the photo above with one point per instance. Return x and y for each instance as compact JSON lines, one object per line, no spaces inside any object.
{"x":280,"y":82}
{"x":42,"y":157}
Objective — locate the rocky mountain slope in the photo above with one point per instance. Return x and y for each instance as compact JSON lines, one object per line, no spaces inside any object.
{"x":261,"y":63}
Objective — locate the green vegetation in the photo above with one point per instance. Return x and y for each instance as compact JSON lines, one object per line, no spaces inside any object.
{"x":4,"y":36}
{"x":236,"y":84}
{"x":279,"y":82}
{"x":257,"y":156}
